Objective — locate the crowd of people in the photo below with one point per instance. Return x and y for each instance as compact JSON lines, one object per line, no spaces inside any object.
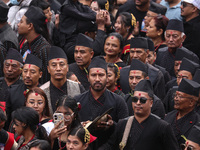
{"x":99,"y":74}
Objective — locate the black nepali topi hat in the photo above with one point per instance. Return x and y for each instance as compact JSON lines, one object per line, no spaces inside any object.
{"x":14,"y":55}
{"x":84,"y":40}
{"x":181,"y":53}
{"x":196,"y":76}
{"x":139,"y":42}
{"x":189,"y":87}
{"x":56,"y":52}
{"x":144,"y":86}
{"x":98,"y":62}
{"x":189,"y":66}
{"x":36,"y":16}
{"x":138,"y":65}
{"x":175,"y":24}
{"x":150,"y":45}
{"x":4,"y":11}
{"x":34,"y":60}
{"x":157,"y":8}
{"x":194,"y":134}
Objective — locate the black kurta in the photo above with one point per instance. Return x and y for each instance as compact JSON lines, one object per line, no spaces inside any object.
{"x":166,"y":59}
{"x":157,"y":108}
{"x":40,"y":48}
{"x":170,"y":84}
{"x":81,"y":75}
{"x":91,"y":108}
{"x":151,"y":134}
{"x":155,"y":76}
{"x":3,"y":53}
{"x":182,"y":126}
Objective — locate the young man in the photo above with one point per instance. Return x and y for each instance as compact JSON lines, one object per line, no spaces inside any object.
{"x":59,"y":85}
{"x":31,"y":26}
{"x":146,"y":130}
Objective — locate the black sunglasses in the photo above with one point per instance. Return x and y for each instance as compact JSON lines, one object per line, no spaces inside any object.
{"x":184,"y":4}
{"x":142,"y":99}
{"x":189,"y":147}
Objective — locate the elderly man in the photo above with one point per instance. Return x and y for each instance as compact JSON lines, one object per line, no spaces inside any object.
{"x":83,"y":54}
{"x":184,"y":117}
{"x":174,"y":37}
{"x":139,"y":50}
{"x":190,"y":10}
{"x":98,"y":99}
{"x":187,"y":70}
{"x":138,"y":71}
{"x":143,"y":130}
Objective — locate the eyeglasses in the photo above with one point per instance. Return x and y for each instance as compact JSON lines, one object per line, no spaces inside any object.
{"x":180,"y":97}
{"x":184,"y":4}
{"x":189,"y":147}
{"x":142,"y":99}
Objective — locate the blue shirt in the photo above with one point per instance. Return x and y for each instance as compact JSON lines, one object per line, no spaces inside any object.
{"x":172,"y":12}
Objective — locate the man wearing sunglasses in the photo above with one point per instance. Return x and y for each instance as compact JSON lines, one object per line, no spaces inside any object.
{"x":138,"y":71}
{"x":147,"y":130}
{"x":193,"y":142}
{"x":190,"y":10}
{"x":184,"y":117}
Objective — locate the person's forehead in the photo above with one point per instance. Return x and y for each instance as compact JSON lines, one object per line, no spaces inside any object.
{"x":135,"y":72}
{"x":140,"y":93}
{"x":172,"y":32}
{"x":79,"y":48}
{"x":30,"y":66}
{"x":184,"y":73}
{"x":12,"y":61}
{"x":137,"y":49}
{"x":97,"y":70}
{"x":57,"y":60}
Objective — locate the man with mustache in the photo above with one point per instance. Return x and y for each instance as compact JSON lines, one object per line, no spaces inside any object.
{"x":31,"y":73}
{"x":183,"y":118}
{"x":83,"y":54}
{"x":174,"y":37}
{"x":147,"y":131}
{"x":98,"y":99}
{"x":59,"y":85}
{"x":138,"y":71}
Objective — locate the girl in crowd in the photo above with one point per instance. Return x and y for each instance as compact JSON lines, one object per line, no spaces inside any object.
{"x":58,"y":135}
{"x":26,"y":122}
{"x":156,"y":30}
{"x":124,"y":25}
{"x":112,"y":48}
{"x":79,"y":139}
{"x":37,"y":99}
{"x":113,"y":76}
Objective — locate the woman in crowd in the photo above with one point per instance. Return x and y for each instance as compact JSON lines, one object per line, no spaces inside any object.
{"x":156,"y":30}
{"x":37,"y":99}
{"x":113,"y":76}
{"x":124,"y":25}
{"x":112,"y":47}
{"x":58,"y":135}
{"x":26,"y":122}
{"x":79,"y":139}
{"x":72,"y":76}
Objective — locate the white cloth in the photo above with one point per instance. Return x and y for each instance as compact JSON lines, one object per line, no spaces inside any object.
{"x":48,"y":126}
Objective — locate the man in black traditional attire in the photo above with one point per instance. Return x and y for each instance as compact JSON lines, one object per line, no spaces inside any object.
{"x":59,"y":85}
{"x":7,"y":36}
{"x":138,"y":71}
{"x":193,"y":142}
{"x":31,"y":26}
{"x":83,"y":54}
{"x":147,"y":131}
{"x":139,"y":50}
{"x":31,"y":74}
{"x":98,"y":99}
{"x":190,"y":10}
{"x":12,"y":70}
{"x":180,"y":54}
{"x":174,"y":36}
{"x":184,"y":117}
{"x":187,"y":70}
